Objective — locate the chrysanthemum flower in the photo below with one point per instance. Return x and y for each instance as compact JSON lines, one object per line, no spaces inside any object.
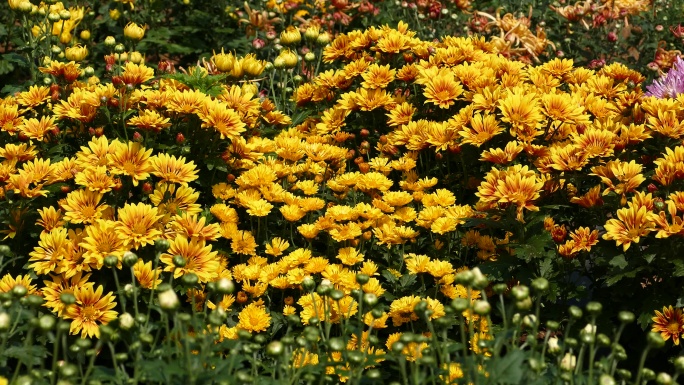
{"x":135,"y":74}
{"x":35,"y":96}
{"x":632,"y":223}
{"x":83,"y":206}
{"x":101,"y":241}
{"x":51,"y":249}
{"x":96,"y":179}
{"x":150,"y":120}
{"x":669,"y":323}
{"x":7,"y":283}
{"x":59,"y":285}
{"x":199,"y":259}
{"x":50,"y":218}
{"x":173,"y":170}
{"x":401,"y":310}
{"x":216,"y":114}
{"x":130,"y":159}
{"x":137,"y":224}
{"x":90,"y":311}
{"x":36,"y":129}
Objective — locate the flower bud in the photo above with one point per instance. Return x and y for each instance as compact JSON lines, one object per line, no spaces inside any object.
{"x":481,"y":307}
{"x":662,"y":379}
{"x":540,"y":284}
{"x":499,"y":288}
{"x":53,"y":17}
{"x":568,"y":362}
{"x":575,"y":312}
{"x":168,"y":300}
{"x":126,"y":321}
{"x":312,"y":33}
{"x":606,"y":379}
{"x":594,"y":308}
{"x":225,"y":286}
{"x":130,"y":259}
{"x":336,"y":295}
{"x":290,"y":36}
{"x":84,"y":35}
{"x":5,"y":250}
{"x":109,"y":41}
{"x":134,"y":31}
{"x":64,"y":15}
{"x":308,"y":283}
{"x":370,"y":299}
{"x":647,"y":374}
{"x":553,"y":345}
{"x":464,"y":278}
{"x":5,"y":321}
{"x":275,"y":348}
{"x":520,"y":292}
{"x":655,"y":340}
{"x":679,"y":364}
{"x":626,"y":317}
{"x":120,"y":48}
{"x":111,"y":261}
{"x":289,"y":59}
{"x":362,"y":279}
{"x":19,"y":291}
{"x":479,"y":280}
{"x":530,"y":320}
{"x":190,"y":279}
{"x":161,"y":245}
{"x":525,"y":304}
{"x":67,"y":298}
{"x":323,"y":38}
{"x":309,"y":57}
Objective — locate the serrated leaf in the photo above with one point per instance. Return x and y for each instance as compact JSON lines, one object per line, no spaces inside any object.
{"x":407,"y":280}
{"x":6,"y":67}
{"x":29,"y":355}
{"x":619,"y":261}
{"x":649,"y":257}
{"x":389,"y":276}
{"x":508,"y":369}
{"x":545,"y":268}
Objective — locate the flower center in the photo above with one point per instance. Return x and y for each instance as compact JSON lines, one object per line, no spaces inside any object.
{"x":88,"y":314}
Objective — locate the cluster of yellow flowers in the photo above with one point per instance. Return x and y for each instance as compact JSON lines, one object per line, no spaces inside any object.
{"x":293,"y":208}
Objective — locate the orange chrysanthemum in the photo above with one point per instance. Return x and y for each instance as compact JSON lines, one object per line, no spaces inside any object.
{"x":669,"y":323}
{"x":90,"y":310}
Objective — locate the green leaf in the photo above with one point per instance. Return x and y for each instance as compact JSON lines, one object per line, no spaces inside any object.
{"x":407,"y":280}
{"x":545,"y":268}
{"x":619,"y":261}
{"x":649,"y":257}
{"x":29,"y":355}
{"x":509,"y":369}
{"x":6,"y":67}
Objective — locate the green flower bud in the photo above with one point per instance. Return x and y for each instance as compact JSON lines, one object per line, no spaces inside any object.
{"x":499,"y":288}
{"x":481,"y":307}
{"x":362,"y":279}
{"x":540,"y":284}
{"x":398,"y":346}
{"x":624,"y":374}
{"x":34,"y":300}
{"x":460,"y":304}
{"x":130,"y":259}
{"x":336,"y":344}
{"x":336,"y":294}
{"x":465,"y":278}
{"x":626,"y":317}
{"x":46,"y":322}
{"x":5,"y":250}
{"x":126,"y":321}
{"x":663,"y":379}
{"x":370,"y":299}
{"x":68,"y":370}
{"x":161,"y":245}
{"x":525,"y":304}
{"x":168,"y":300}
{"x":571,"y":342}
{"x":552,"y":325}
{"x":606,"y":379}
{"x":575,"y":312}
{"x":679,"y":364}
{"x":67,"y":298}
{"x":5,"y":321}
{"x":275,"y":348}
{"x":420,"y":307}
{"x":225,"y":286}
{"x":376,"y":313}
{"x":647,"y":374}
{"x":655,"y":340}
{"x":520,"y":292}
{"x":111,"y":261}
{"x":190,"y":279}
{"x":19,"y":291}
{"x":308,"y":283}
{"x":178,"y":260}
{"x":594,"y":308}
